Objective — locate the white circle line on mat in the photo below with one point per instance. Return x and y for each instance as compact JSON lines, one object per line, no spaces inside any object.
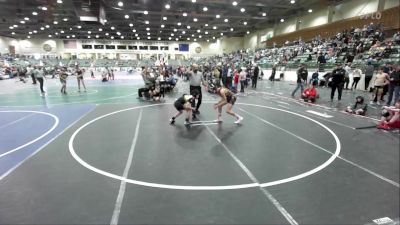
{"x":56,"y":122}
{"x":71,"y":103}
{"x":185,"y":187}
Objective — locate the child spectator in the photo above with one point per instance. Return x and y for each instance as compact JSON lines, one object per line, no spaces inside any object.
{"x":359,"y":108}
{"x":314,"y":77}
{"x":310,"y":94}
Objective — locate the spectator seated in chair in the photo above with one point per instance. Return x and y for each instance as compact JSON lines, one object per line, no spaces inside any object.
{"x":390,"y":117}
{"x":104,"y":75}
{"x":171,"y":81}
{"x":149,"y":84}
{"x":154,"y":93}
{"x":310,"y":94}
{"x":326,"y":79}
{"x":359,"y":107}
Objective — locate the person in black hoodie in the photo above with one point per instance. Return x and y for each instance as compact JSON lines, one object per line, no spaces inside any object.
{"x":338,"y":76}
{"x":302,"y":75}
{"x":272,"y":77}
{"x":255,"y":77}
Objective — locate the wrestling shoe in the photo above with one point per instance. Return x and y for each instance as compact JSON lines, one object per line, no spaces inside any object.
{"x":172,"y":121}
{"x":239,"y":120}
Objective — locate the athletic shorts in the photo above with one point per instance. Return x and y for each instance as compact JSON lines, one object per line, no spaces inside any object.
{"x":231,"y":100}
{"x":178,"y":106}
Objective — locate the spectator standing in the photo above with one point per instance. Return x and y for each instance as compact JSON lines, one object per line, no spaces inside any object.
{"x":347,"y":68}
{"x":356,"y":78}
{"x":29,"y":72}
{"x":272,"y":77}
{"x":229,"y":76}
{"x":224,"y":75}
{"x":396,"y":38}
{"x":380,"y":81}
{"x":242,"y":76}
{"x":369,"y":72}
{"x":63,"y":79}
{"x":338,"y":76}
{"x":217,"y":77}
{"x":39,"y":74}
{"x":236,"y":78}
{"x":112,"y":74}
{"x":79,"y":77}
{"x":302,"y":75}
{"x":255,"y":77}
{"x":394,"y":86}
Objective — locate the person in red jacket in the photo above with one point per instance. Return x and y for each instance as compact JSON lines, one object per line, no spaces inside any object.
{"x":310,"y":94}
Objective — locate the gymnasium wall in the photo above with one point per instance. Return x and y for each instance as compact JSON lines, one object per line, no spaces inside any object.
{"x":391,"y":3}
{"x":217,"y":47}
{"x":286,"y":27}
{"x":29,"y":46}
{"x":255,"y":38}
{"x":316,"y":18}
{"x":56,"y":47}
{"x":5,"y":42}
{"x":354,"y":8}
{"x":251,"y":40}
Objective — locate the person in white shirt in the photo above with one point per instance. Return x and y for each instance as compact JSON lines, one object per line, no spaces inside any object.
{"x":347,"y":68}
{"x":39,"y":74}
{"x":356,"y":78}
{"x":196,"y":80}
{"x":242,"y":76}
